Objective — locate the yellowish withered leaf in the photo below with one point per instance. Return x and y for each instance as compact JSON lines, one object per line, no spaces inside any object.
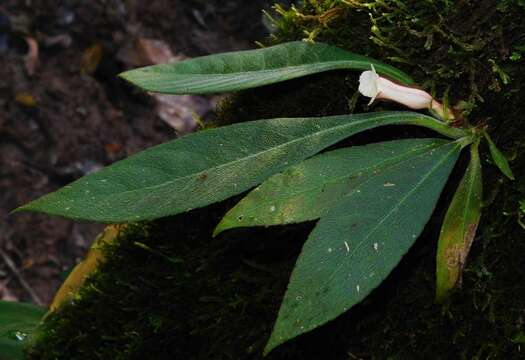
{"x":86,"y":267}
{"x":459,"y":228}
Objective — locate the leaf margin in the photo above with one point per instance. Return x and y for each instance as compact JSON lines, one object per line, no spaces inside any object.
{"x":150,"y":78}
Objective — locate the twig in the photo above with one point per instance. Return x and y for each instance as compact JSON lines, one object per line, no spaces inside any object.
{"x":11,"y":265}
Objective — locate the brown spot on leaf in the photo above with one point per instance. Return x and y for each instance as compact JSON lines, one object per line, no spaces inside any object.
{"x":453,"y":257}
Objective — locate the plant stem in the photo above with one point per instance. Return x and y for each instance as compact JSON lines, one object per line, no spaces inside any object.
{"x":441,"y":127}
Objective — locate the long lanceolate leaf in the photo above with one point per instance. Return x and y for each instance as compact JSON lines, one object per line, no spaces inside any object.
{"x":252,"y":68}
{"x":499,"y":159}
{"x":358,"y":243}
{"x":310,"y":189}
{"x":209,"y":166}
{"x":17,"y":322}
{"x":459,"y":228}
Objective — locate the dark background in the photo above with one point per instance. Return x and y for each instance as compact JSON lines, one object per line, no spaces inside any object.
{"x":64,"y":112}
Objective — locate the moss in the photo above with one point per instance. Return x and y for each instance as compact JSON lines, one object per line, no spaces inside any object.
{"x":168,"y":290}
{"x":439,"y":42}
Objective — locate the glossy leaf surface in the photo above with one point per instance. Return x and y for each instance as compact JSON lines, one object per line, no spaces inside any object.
{"x":17,"y":322}
{"x":252,"y":68}
{"x":310,"y":189}
{"x":358,"y":242}
{"x":459,"y":228}
{"x":208,"y":166}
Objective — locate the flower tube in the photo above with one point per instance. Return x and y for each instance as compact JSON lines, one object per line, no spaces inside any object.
{"x":377,"y":87}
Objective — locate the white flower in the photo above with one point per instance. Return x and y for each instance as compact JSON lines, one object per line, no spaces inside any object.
{"x":377,"y":87}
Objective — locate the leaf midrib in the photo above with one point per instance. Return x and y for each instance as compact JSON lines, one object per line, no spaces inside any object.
{"x":391,"y":162}
{"x":239,"y":160}
{"x":472,"y":177}
{"x":264,"y":71}
{"x":393,"y":209}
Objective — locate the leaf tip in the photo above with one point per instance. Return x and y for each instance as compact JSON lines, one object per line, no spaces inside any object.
{"x":134,"y":77}
{"x":221,"y":227}
{"x":17,"y":210}
{"x":127,"y":75}
{"x":226,"y":223}
{"x":36,"y":205}
{"x":216,"y":231}
{"x":271,"y":344}
{"x":282,"y":332}
{"x":442,"y":295}
{"x":266,"y":351}
{"x":23,"y":208}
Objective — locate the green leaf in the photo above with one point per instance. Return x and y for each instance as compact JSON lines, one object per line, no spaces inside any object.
{"x":310,"y":189}
{"x":252,"y":68}
{"x":358,"y":243}
{"x":208,"y":166}
{"x":459,"y":228}
{"x":499,"y":159}
{"x":17,"y":323}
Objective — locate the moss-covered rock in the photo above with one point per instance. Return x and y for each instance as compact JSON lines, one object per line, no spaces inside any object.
{"x":168,"y":290}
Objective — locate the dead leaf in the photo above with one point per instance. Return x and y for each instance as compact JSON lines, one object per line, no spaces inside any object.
{"x":179,"y":111}
{"x":176,"y":111}
{"x":86,"y":267}
{"x":91,"y":59}
{"x":155,"y":51}
{"x":31,"y":58}
{"x":113,"y":148}
{"x":25,"y":99}
{"x":62,"y":40}
{"x":144,"y":52}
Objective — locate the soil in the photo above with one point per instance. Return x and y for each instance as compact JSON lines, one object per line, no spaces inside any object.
{"x":65,"y":113}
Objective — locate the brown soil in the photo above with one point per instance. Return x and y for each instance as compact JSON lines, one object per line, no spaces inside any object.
{"x":73,"y":115}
